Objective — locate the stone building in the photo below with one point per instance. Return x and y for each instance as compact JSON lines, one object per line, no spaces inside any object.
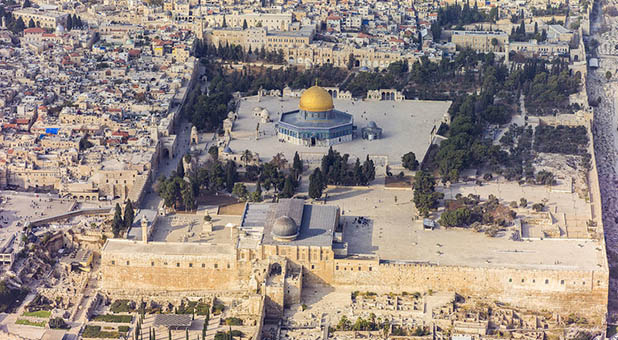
{"x":316,"y":122}
{"x":282,"y":247}
{"x":482,"y":41}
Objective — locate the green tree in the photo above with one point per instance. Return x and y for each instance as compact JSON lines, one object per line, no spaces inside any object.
{"x":244,"y":24}
{"x":180,"y":169}
{"x":224,"y":24}
{"x":425,"y":197}
{"x":608,"y":75}
{"x":57,"y":323}
{"x":117,"y":222}
{"x":297,"y":165}
{"x":316,"y":184}
{"x":436,"y":31}
{"x":230,"y":175}
{"x":31,"y":24}
{"x":369,"y":171}
{"x":288,"y":187}
{"x":129,"y":215}
{"x":351,"y":61}
{"x":69,"y":23}
{"x":188,"y":199}
{"x":240,"y":190}
{"x":459,"y":217}
{"x":409,"y":161}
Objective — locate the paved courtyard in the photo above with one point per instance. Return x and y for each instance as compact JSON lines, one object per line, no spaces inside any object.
{"x":406,"y":127}
{"x":393,"y":233}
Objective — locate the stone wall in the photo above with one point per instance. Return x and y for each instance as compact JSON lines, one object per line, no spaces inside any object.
{"x":171,"y":272}
{"x":580,"y":292}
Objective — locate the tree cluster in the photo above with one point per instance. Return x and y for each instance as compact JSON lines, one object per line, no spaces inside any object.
{"x":570,"y":140}
{"x":547,"y":89}
{"x":425,"y":196}
{"x":457,"y":16}
{"x":465,"y":211}
{"x":121,"y":223}
{"x":520,"y":34}
{"x":336,"y":170}
{"x":409,"y":161}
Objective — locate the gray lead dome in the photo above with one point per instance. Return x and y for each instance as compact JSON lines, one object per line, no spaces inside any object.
{"x":285,"y":229}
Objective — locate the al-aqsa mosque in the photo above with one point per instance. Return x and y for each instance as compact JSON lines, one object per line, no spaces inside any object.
{"x":316,"y":122}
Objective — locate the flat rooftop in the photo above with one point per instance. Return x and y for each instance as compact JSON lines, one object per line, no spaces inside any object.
{"x":120,"y":246}
{"x":406,"y":127}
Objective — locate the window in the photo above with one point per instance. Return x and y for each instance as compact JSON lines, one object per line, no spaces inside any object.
{"x":165,"y":263}
{"x":216,"y":266}
{"x":546,"y":281}
{"x":336,"y":267}
{"x":177,"y":264}
{"x":561,"y":282}
{"x":369,"y":268}
{"x":522,"y":280}
{"x":113,"y":262}
{"x":228,"y":266}
{"x":203,"y":265}
{"x":510,"y":280}
{"x":127,"y":263}
{"x":312,"y":266}
{"x":152,"y":264}
{"x":190,"y":265}
{"x":359,"y":268}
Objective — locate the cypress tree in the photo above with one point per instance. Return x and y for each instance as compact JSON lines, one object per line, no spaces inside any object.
{"x":69,"y":23}
{"x":129,"y":215}
{"x":180,"y":169}
{"x":117,"y":223}
{"x":297,"y":164}
{"x":316,"y":185}
{"x":288,"y":187}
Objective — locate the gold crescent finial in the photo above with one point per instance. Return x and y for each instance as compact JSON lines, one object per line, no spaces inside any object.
{"x":316,"y":81}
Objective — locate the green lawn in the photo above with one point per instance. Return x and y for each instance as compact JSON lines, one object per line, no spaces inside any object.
{"x":30,"y":323}
{"x":96,"y":332}
{"x":39,"y":314}
{"x":113,"y":318}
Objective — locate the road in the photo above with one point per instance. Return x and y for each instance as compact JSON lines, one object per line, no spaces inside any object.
{"x":166,"y":166}
{"x":605,"y":143}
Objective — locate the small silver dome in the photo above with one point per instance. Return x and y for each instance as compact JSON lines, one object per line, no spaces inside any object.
{"x":372,"y":124}
{"x":285,"y":229}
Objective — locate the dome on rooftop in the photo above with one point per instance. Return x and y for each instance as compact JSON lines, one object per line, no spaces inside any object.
{"x":285,"y":229}
{"x":316,"y":99}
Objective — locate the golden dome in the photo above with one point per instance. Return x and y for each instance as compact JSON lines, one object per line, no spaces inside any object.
{"x":316,"y":99}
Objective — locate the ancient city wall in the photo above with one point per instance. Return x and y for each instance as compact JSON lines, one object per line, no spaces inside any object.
{"x":171,"y":272}
{"x":580,"y":292}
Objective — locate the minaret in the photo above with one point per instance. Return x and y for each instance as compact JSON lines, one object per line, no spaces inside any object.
{"x":144,"y":223}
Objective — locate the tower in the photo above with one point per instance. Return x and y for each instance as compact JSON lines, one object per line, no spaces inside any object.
{"x":144,"y":223}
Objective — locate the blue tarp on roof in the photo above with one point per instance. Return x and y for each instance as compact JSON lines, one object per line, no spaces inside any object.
{"x":52,"y":131}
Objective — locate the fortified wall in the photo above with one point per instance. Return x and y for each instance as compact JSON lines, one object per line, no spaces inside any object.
{"x":580,"y":292}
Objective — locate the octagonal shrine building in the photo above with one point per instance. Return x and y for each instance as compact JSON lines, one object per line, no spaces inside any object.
{"x":316,"y":122}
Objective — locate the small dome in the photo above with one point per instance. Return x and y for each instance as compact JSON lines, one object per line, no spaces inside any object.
{"x":372,"y":124}
{"x":316,"y":99}
{"x":285,"y":229}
